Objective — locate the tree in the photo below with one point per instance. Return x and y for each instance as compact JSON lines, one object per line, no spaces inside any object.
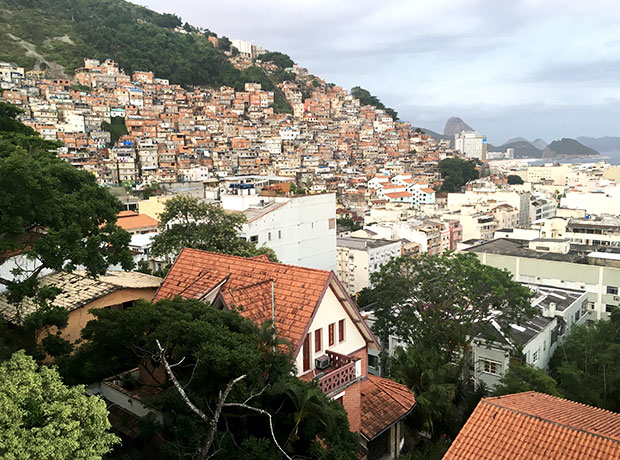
{"x":50,"y":212}
{"x":456,"y":172}
{"x":280,"y":59}
{"x":219,"y":359}
{"x":116,"y":128}
{"x":43,"y":418}
{"x":224,"y":43}
{"x":349,"y":223}
{"x":525,"y":377}
{"x":513,"y":179}
{"x":440,"y":302}
{"x":366,"y":98}
{"x":188,"y":223}
{"x":587,"y":365}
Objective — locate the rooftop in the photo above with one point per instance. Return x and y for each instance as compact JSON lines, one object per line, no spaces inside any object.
{"x":362,"y":243}
{"x":532,"y":425}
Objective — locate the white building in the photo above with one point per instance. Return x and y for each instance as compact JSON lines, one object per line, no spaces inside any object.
{"x":358,"y":258}
{"x":472,"y":144}
{"x":301,"y":229}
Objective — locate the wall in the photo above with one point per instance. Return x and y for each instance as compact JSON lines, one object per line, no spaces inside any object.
{"x":331,"y":311}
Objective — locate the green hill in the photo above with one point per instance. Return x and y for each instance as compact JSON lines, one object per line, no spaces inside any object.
{"x":58,"y":34}
{"x":567,"y":148}
{"x":523,"y":149}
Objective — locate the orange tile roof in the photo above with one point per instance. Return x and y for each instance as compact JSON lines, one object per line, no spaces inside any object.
{"x":246,"y":284}
{"x":398,"y":195}
{"x":129,"y":220}
{"x":383,"y":402}
{"x":532,"y":425}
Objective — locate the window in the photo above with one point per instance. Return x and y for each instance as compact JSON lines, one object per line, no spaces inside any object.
{"x":610,"y":308}
{"x":332,"y":224}
{"x":612,"y":290}
{"x":490,"y":367}
{"x":340,"y":401}
{"x":317,"y":340}
{"x":254,"y":238}
{"x":341,"y":331}
{"x":279,"y":234}
{"x":331,"y":334}
{"x":535,"y":356}
{"x":544,"y":345}
{"x":269,"y":236}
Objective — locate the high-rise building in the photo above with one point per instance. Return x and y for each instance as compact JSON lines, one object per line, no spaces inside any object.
{"x":472,"y":144}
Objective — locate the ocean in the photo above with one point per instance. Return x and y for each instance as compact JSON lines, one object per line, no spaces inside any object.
{"x":611,"y":157}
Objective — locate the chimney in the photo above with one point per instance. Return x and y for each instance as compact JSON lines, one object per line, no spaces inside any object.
{"x":552,"y":309}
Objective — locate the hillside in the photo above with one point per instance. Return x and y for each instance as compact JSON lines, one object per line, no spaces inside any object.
{"x":57,"y":34}
{"x":601,"y":144}
{"x":567,"y":148}
{"x":523,"y":149}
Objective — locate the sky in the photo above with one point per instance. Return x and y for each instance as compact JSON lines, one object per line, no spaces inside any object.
{"x":529,"y":68}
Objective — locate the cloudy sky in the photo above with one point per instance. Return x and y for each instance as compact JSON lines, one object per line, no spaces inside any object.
{"x":531,"y":68}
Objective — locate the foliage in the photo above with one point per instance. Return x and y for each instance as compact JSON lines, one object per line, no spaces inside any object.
{"x":188,"y":223}
{"x":52,"y":212}
{"x":513,"y":179}
{"x":216,"y":346}
{"x":456,"y":172}
{"x":152,"y":189}
{"x":366,"y":98}
{"x":280,"y":59}
{"x":525,"y":377}
{"x":349,"y":223}
{"x":587,"y":365}
{"x":440,"y":301}
{"x":116,"y":128}
{"x":43,"y":418}
{"x":135,"y":37}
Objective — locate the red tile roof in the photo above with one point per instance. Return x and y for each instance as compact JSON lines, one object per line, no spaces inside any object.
{"x":398,"y":195}
{"x":532,"y":425}
{"x":247,"y":286}
{"x":129,"y":220}
{"x":383,"y":402}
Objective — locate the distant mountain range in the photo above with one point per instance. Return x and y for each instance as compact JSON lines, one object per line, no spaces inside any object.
{"x":605,"y":144}
{"x":539,"y":148}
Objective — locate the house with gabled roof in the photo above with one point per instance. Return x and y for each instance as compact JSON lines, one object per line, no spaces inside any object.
{"x":313,"y":312}
{"x":530,"y":425}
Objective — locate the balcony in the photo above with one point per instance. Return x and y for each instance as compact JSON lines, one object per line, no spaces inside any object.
{"x":342,"y":371}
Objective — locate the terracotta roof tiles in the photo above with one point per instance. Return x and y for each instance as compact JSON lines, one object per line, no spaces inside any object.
{"x":532,"y":425}
{"x":246,"y":284}
{"x":383,"y":402}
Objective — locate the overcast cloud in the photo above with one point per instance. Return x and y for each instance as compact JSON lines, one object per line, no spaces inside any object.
{"x":531,"y":68}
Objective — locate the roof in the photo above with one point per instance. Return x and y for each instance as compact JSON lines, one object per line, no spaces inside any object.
{"x":246,"y":283}
{"x":383,"y":403}
{"x":398,"y":195}
{"x":129,"y":220}
{"x":77,"y":290}
{"x":532,"y":425}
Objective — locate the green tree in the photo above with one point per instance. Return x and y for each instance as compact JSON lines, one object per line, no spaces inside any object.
{"x":116,"y":128}
{"x":456,"y":172}
{"x":224,"y":43}
{"x":366,"y":98}
{"x":216,"y":347}
{"x":526,"y":377}
{"x":439,"y":302}
{"x":43,"y":418}
{"x":280,"y":59}
{"x":188,"y":223}
{"x":349,"y":223}
{"x":587,"y":365}
{"x":52,"y":213}
{"x":513,"y":179}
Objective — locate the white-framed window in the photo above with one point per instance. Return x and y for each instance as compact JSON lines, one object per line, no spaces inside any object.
{"x":535,"y":356}
{"x":612,"y":290}
{"x":490,"y":367}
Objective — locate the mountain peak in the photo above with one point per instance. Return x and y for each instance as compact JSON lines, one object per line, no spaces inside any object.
{"x":455,"y":125}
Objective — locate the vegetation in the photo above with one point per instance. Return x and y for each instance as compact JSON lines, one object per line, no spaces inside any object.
{"x":135,"y":37}
{"x":525,"y":377}
{"x":587,"y":365}
{"x":50,"y":212}
{"x":280,"y":59}
{"x":366,"y":98}
{"x":349,"y":223}
{"x":456,"y":172}
{"x":43,"y":418}
{"x":116,"y":128}
{"x":212,"y":348}
{"x":188,"y":223}
{"x":513,"y":179}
